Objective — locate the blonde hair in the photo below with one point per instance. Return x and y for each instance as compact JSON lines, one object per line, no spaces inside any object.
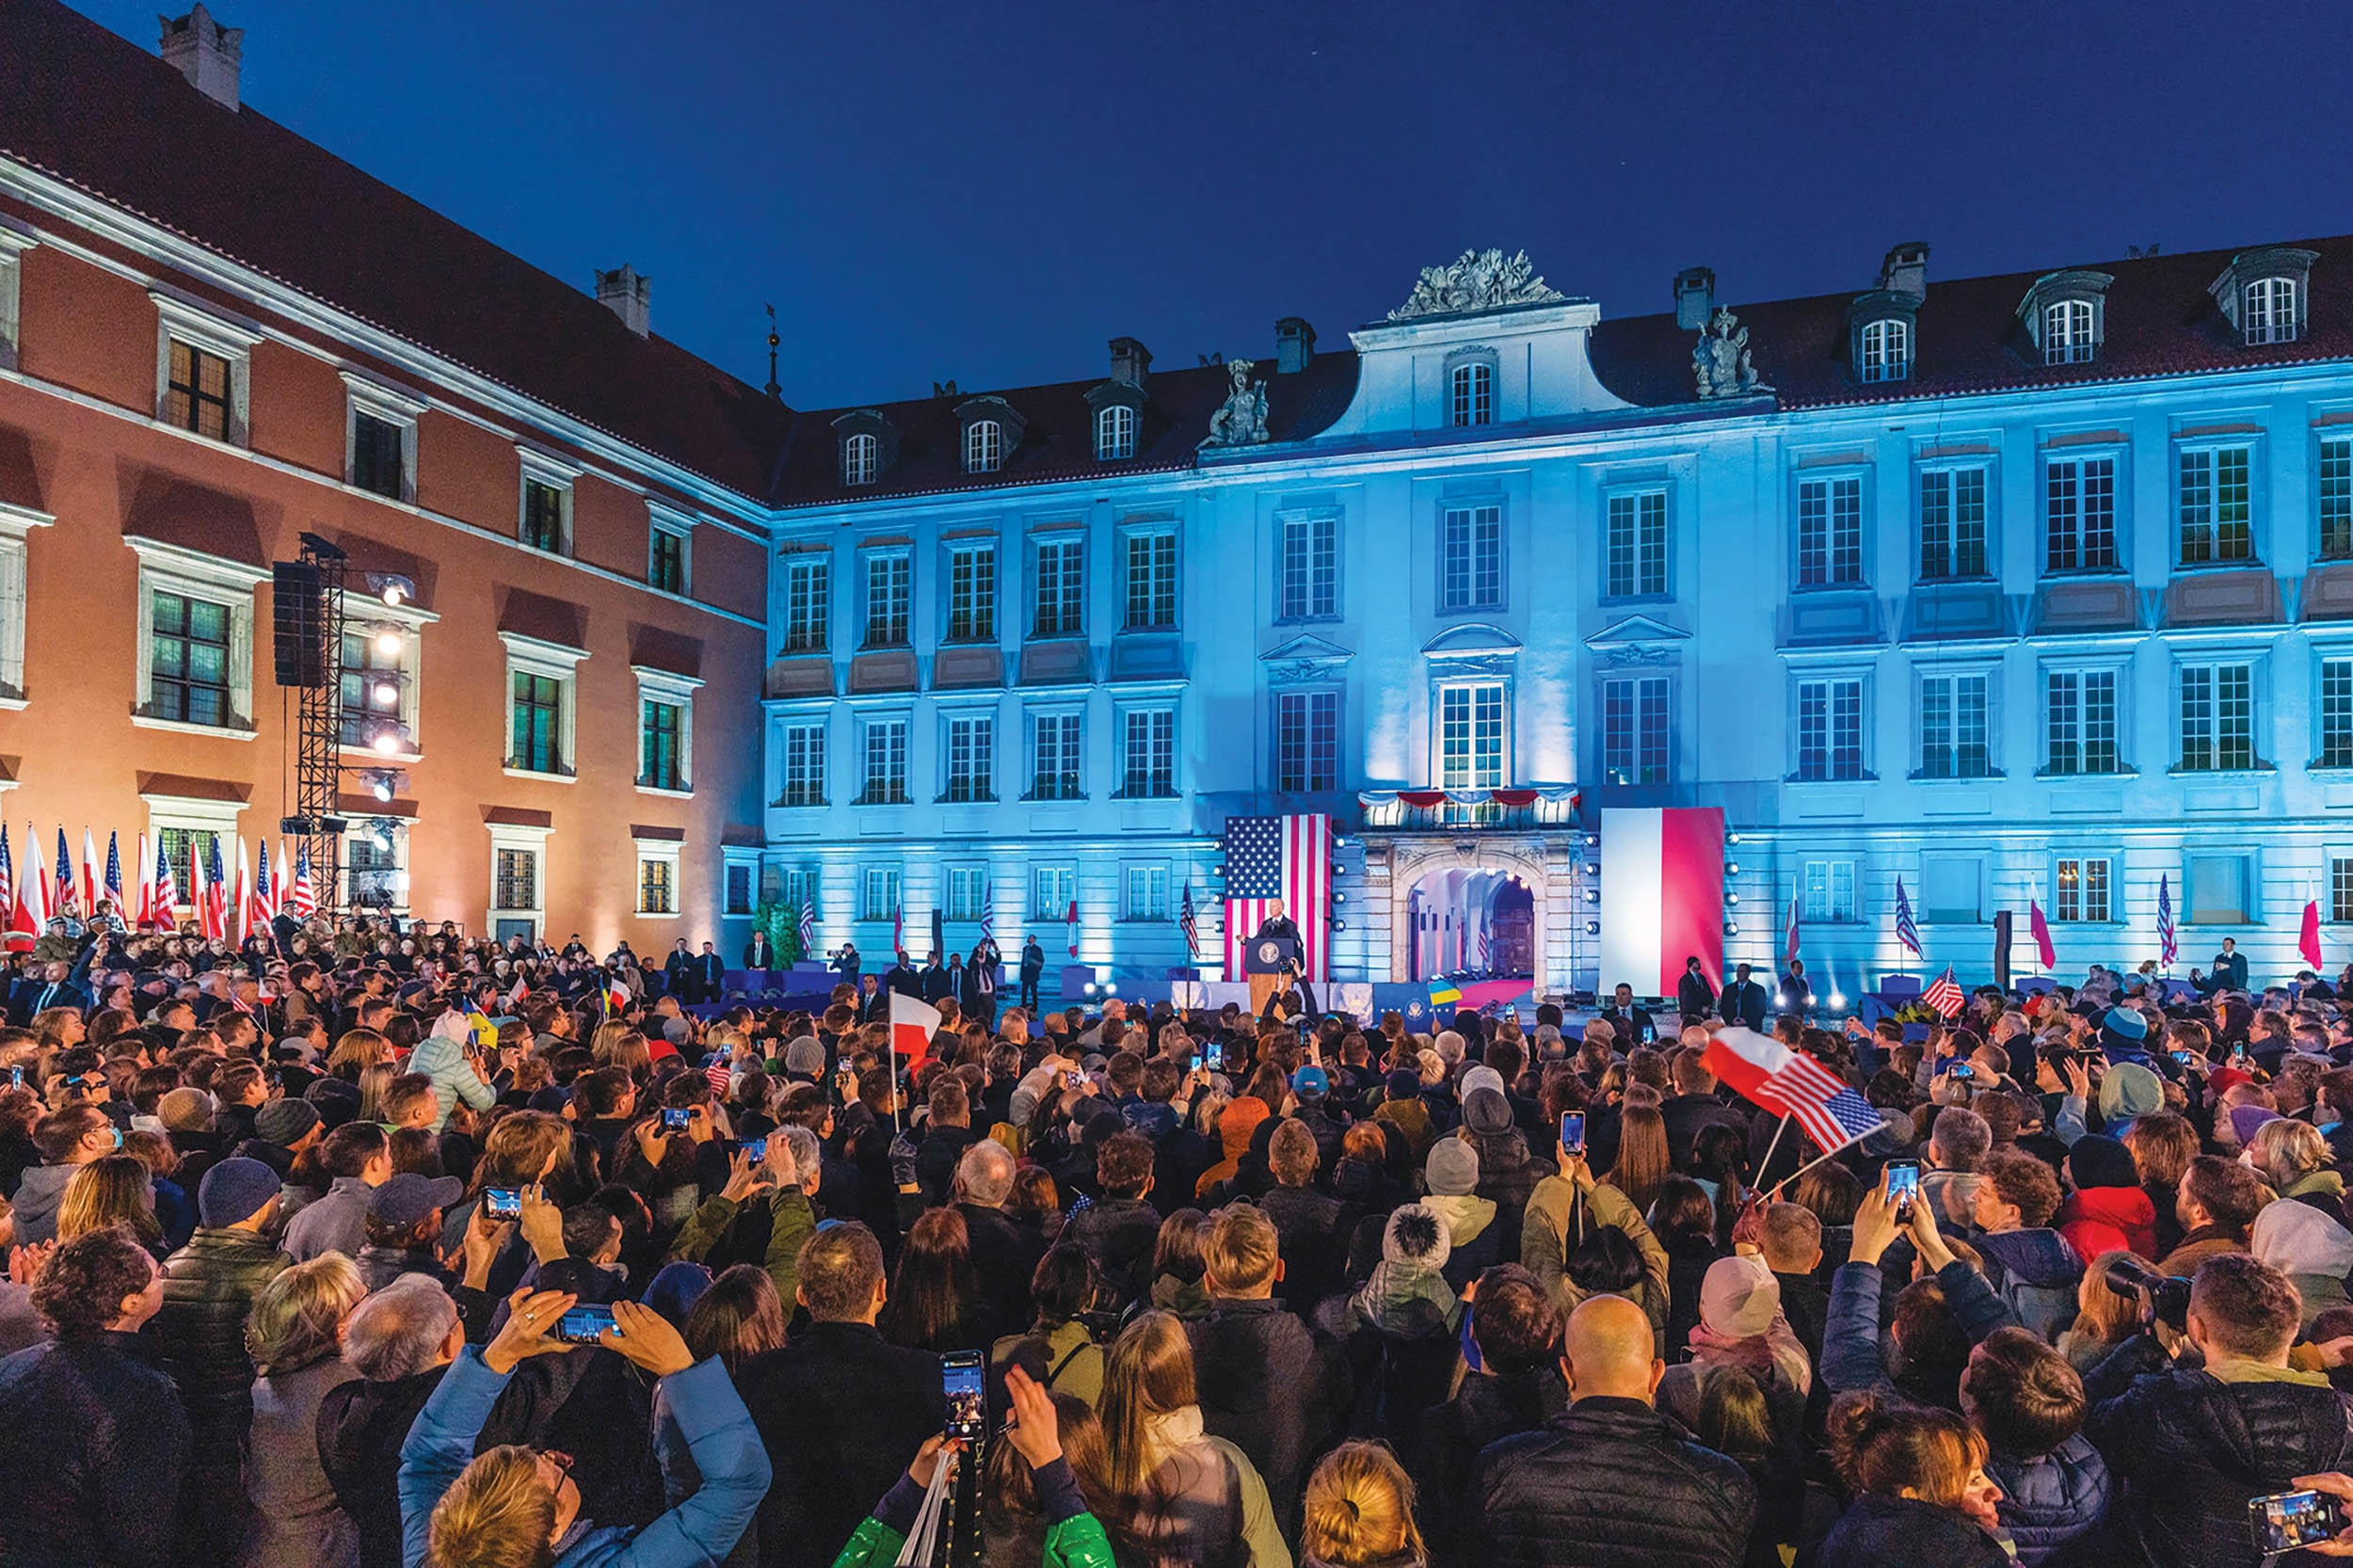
{"x":297,"y":1317}
{"x":2103,"y":1320}
{"x":497,"y":1514}
{"x":1359,"y":1509}
{"x":359,"y":1049}
{"x":2287,"y":1151}
{"x":116,"y":1189}
{"x":1240,"y":1250}
{"x":1148,"y":1373}
{"x":375,"y":1079}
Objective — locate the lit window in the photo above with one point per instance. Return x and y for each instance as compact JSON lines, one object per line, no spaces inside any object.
{"x":2268,"y":311}
{"x":859,"y":456}
{"x":660,"y":728}
{"x":1830,"y":532}
{"x":2216,"y":510}
{"x":1470,"y":737}
{"x":972,"y":594}
{"x":1952,"y":523}
{"x":804,"y":766}
{"x":656,"y":891}
{"x":886,"y":743}
{"x":1634,"y":723}
{"x":2079,"y":719}
{"x":2217,"y":717}
{"x":1471,"y":558}
{"x":2080,"y":514}
{"x":984,"y":446}
{"x":1052,"y":889}
{"x":881,"y":900}
{"x":514,"y":879}
{"x":1886,"y":349}
{"x":1151,"y":581}
{"x":1474,"y":394}
{"x":1306,"y":741}
{"x":189,"y":665}
{"x":1115,"y":433}
{"x":972,"y":758}
{"x":198,"y":395}
{"x":1636,"y":544}
{"x":2067,"y":332}
{"x":806,"y":609}
{"x":1830,"y":730}
{"x":538,"y":724}
{"x":1828,"y":896}
{"x":2079,"y":889}
{"x":1953,"y":727}
{"x":375,"y":681}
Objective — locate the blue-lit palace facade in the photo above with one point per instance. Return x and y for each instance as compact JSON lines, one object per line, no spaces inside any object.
{"x":2023,"y":588}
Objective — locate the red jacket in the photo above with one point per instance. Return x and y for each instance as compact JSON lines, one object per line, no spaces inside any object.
{"x":2105,"y":1219}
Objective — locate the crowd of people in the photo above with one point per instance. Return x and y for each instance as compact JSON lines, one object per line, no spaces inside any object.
{"x":364,"y":1248}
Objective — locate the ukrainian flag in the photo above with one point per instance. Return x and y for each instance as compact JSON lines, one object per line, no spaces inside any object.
{"x":1443,"y":992}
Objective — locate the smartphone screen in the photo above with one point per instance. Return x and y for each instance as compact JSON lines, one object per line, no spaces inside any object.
{"x":756,"y":1147}
{"x":1573,"y":1132}
{"x":584,"y":1325}
{"x":967,"y":1404}
{"x":1903,"y":1184}
{"x":2288,"y":1520}
{"x":1962,"y":1070}
{"x":2182,"y":1057}
{"x":674,"y":1120}
{"x":502,"y":1203}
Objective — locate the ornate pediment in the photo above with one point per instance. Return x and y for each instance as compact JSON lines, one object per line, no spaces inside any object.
{"x":1304,"y":646}
{"x":1638,"y":640}
{"x":1304,"y":660}
{"x":1476,"y":281}
{"x":1469,"y":640}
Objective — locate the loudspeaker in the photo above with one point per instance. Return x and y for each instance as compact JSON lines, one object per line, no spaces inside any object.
{"x":2001,"y":949}
{"x":298,"y":624}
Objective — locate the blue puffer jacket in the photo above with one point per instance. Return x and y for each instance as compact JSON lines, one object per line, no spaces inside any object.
{"x":2036,"y":1273}
{"x":2047,"y":1502}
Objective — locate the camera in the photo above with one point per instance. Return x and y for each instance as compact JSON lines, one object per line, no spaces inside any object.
{"x":2163,"y":1299}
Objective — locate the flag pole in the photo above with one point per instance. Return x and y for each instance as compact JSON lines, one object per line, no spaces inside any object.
{"x":1767,"y":1163}
{"x":1807,"y":1166}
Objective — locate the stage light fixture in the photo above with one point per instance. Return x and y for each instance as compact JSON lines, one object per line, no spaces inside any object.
{"x":1111,"y":987}
{"x":1592,"y":868}
{"x":1733,"y":899}
{"x":386,"y":695}
{"x":1836,"y":1001}
{"x":1732,"y":837}
{"x":380,"y":785}
{"x":388,"y":642}
{"x":1340,"y":925}
{"x":1592,"y":841}
{"x":1732,"y":868}
{"x":1339,"y":897}
{"x":1593,"y":895}
{"x":1732,"y":928}
{"x":1593,"y":928}
{"x":387,"y":742}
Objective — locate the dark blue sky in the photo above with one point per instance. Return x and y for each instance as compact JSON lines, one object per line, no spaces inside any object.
{"x":988,"y":192}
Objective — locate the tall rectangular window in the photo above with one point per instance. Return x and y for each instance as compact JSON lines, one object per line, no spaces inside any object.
{"x":1055,"y":762}
{"x":1953,"y":727}
{"x":886,"y":763}
{"x":1830,"y":532}
{"x":2217,"y":512}
{"x":1470,"y":736}
{"x":2340,"y":888}
{"x":804,"y":766}
{"x":2079,"y":721}
{"x":1474,"y":394}
{"x":2217,"y":717}
{"x":1309,"y":588}
{"x":656,"y":892}
{"x":538,"y":709}
{"x":2079,"y":889}
{"x":665,"y":560}
{"x":968,"y":892}
{"x":2336,"y":712}
{"x":1636,"y":544}
{"x":2336,"y":498}
{"x":972,"y":757}
{"x":1471,"y":556}
{"x":1830,"y":730}
{"x":1148,"y":750}
{"x":515,"y":884}
{"x":189,"y":661}
{"x":1952,"y":523}
{"x":371,"y":682}
{"x":1306,"y":741}
{"x":2079,"y":516}
{"x":807,"y":609}
{"x":659,"y":763}
{"x":1151,"y":581}
{"x":543,"y":516}
{"x":1634,"y":726}
{"x":1052,"y":889}
{"x":1147,"y":894}
{"x":972,"y":594}
{"x":889,"y":582}
{"x":378,"y":448}
{"x":1060,"y":588}
{"x":1828,"y":896}
{"x":880,"y":894}
{"x":739,"y":889}
{"x":197,"y":397}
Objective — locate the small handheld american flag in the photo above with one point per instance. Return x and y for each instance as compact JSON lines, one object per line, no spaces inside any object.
{"x":1945,"y":995}
{"x":1906,"y":931}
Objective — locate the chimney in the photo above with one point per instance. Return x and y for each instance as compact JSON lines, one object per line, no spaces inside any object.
{"x":1695,"y":297}
{"x":1295,"y":345}
{"x":1906,"y":269}
{"x":629,"y":296}
{"x":204,"y":52}
{"x":1130,"y":360}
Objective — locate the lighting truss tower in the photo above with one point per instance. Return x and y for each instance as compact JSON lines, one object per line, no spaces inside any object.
{"x":318,"y":819}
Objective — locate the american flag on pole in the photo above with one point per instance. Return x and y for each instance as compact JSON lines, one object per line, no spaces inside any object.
{"x":302,"y":898}
{"x":1186,"y":924}
{"x":1945,"y":995}
{"x":1286,"y":860}
{"x":65,"y":898}
{"x":7,"y":878}
{"x":1906,"y":931}
{"x":264,"y":889}
{"x":809,"y":927}
{"x":2167,"y":948}
{"x":166,"y":889}
{"x":213,"y":909}
{"x":111,"y":889}
{"x":1791,"y":1084}
{"x":1482,"y":958}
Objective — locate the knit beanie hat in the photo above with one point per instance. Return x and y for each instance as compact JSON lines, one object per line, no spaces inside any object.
{"x":804,"y":1057}
{"x":234,"y":1190}
{"x":284,"y":1123}
{"x":1415,"y":1233}
{"x":2130,"y":1090}
{"x":2097,"y":1160}
{"x":1453,"y":1168}
{"x":1486,"y":1113}
{"x":1477,"y":1076}
{"x":1740,"y":1298}
{"x":2246,"y":1120}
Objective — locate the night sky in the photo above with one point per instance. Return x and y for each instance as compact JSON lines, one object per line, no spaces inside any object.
{"x":988,"y":192}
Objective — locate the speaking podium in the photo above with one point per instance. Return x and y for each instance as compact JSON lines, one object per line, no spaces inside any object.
{"x":1264,"y":960}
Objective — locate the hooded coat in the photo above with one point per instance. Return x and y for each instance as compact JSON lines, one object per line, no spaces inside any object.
{"x":2312,"y":1249}
{"x":2036,"y":1273}
{"x":2052,"y":1498}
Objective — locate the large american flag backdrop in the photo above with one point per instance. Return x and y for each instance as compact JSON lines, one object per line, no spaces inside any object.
{"x":1286,"y":858}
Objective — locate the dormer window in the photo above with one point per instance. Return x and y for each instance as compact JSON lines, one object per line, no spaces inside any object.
{"x":1115,"y":433}
{"x":1886,"y":350}
{"x":2067,"y":338}
{"x":2267,"y":311}
{"x":984,"y":446}
{"x":1473,"y":400}
{"x":858,"y":459}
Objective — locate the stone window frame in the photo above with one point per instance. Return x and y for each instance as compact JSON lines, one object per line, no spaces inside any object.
{"x":527,"y":655}
{"x":2069,"y":286}
{"x":666,"y":520}
{"x":193,"y":574}
{"x":537,"y":466}
{"x":16,"y":526}
{"x":13,"y":244}
{"x":392,"y":407}
{"x":669,"y":852}
{"x":177,"y":320}
{"x":677,"y":691}
{"x":516,"y":836}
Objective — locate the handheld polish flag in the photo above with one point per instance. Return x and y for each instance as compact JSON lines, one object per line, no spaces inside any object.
{"x":110,"y":888}
{"x":913,"y":1022}
{"x":616,"y":996}
{"x":2045,"y":953}
{"x":1907,"y":930}
{"x":284,"y":869}
{"x":65,"y":898}
{"x":1791,"y":1084}
{"x":146,"y":867}
{"x":2307,"y":941}
{"x":1944,"y":997}
{"x":2167,"y":949}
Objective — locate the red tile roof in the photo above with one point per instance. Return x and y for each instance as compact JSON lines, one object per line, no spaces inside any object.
{"x":93,"y":109}
{"x":2160,"y":321}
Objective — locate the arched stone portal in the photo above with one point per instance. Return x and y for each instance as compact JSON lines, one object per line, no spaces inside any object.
{"x":1444,"y":893}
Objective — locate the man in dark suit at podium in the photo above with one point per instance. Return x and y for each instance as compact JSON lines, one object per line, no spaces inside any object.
{"x":1277,"y":927}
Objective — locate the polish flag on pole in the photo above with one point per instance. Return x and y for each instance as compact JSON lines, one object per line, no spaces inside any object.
{"x":146,"y":869}
{"x":2308,"y":942}
{"x":241,"y":914}
{"x":1662,"y":898}
{"x":1074,"y":928}
{"x":278,"y":891}
{"x":92,"y":888}
{"x":2041,"y":930}
{"x":913,"y":1022}
{"x":32,"y":896}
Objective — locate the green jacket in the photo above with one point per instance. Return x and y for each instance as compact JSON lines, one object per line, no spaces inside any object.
{"x":1558,"y":1215}
{"x":1073,"y":1537}
{"x":791,"y":1222}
